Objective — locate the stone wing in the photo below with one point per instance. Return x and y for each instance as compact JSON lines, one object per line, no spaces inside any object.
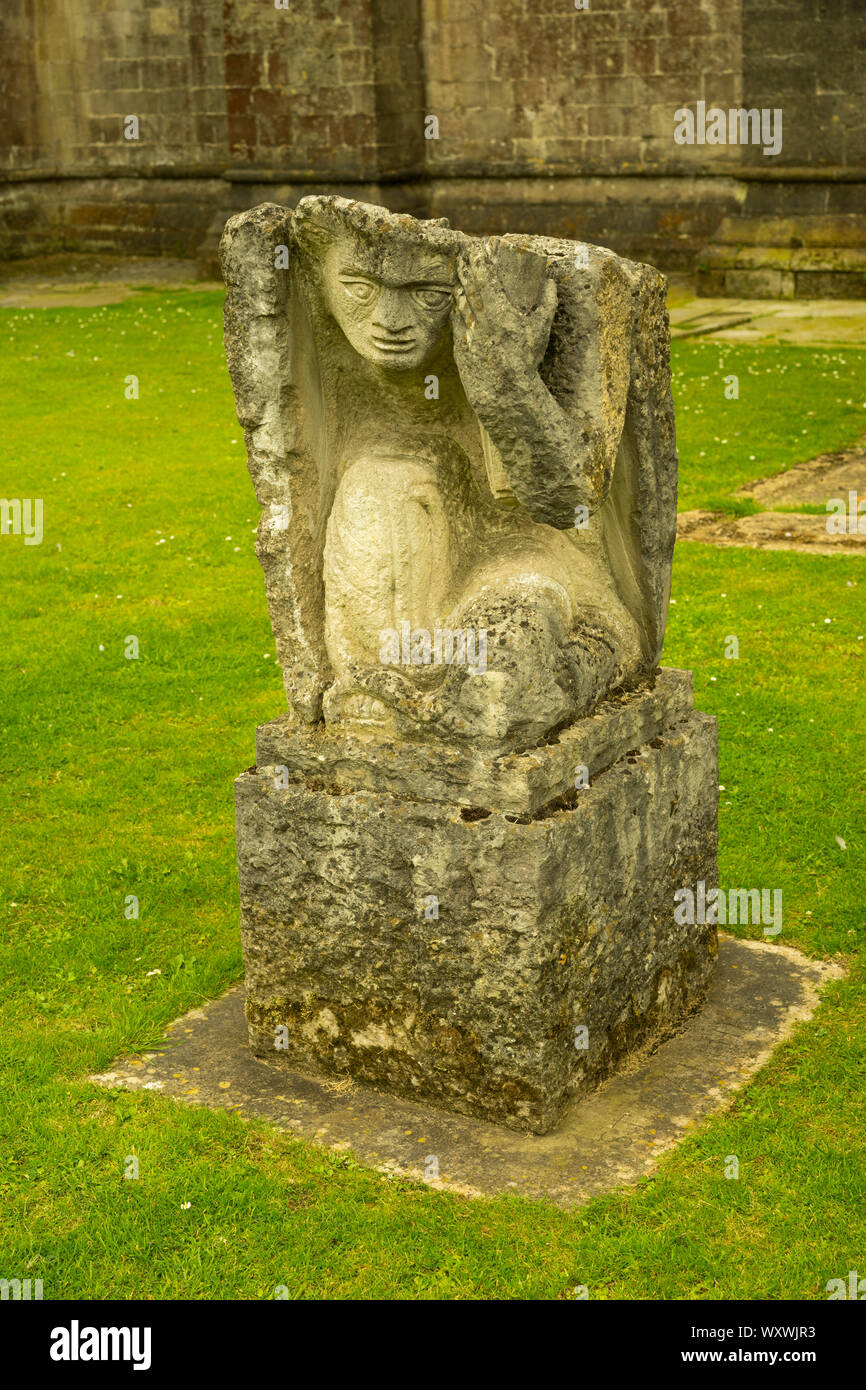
{"x":272,"y":363}
{"x":640,"y":515}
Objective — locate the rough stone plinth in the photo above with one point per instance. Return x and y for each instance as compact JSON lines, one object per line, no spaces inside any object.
{"x":446,"y":931}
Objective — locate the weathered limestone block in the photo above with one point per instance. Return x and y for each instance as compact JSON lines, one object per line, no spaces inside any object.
{"x":453,"y":952}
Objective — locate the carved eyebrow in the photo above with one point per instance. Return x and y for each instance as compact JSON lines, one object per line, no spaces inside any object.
{"x":350,"y":272}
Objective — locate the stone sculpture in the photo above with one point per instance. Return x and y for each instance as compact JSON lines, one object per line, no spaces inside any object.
{"x":466,"y":436}
{"x":464,"y":454}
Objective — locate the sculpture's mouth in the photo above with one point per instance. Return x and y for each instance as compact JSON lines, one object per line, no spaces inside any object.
{"x":393,"y":346}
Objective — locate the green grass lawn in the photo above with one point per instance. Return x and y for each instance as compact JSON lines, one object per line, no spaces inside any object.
{"x":117,"y":780}
{"x":791,"y":404}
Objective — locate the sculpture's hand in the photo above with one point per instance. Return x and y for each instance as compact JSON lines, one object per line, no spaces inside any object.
{"x":498,"y":345}
{"x":501,"y":320}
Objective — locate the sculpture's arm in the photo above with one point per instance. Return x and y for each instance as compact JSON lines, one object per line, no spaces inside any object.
{"x":555,"y":458}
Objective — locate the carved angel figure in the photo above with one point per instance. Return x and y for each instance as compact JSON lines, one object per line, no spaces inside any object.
{"x":464,"y":453}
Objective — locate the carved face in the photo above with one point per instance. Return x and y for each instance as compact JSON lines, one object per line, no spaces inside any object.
{"x":392,"y":308}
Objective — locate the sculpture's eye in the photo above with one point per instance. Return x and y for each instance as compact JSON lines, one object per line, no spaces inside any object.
{"x":431,"y":297}
{"x":361,"y":290}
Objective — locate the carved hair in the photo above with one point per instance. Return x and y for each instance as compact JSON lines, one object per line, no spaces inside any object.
{"x":319,"y":221}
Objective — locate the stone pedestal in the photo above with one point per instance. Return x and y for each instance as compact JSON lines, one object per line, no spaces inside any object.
{"x":478,"y":933}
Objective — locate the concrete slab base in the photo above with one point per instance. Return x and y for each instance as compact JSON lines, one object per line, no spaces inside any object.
{"x":759,"y":993}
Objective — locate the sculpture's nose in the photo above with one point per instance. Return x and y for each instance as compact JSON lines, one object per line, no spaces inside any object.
{"x":391,"y":312}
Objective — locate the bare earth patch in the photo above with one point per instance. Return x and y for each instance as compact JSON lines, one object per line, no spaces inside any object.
{"x":828,"y":475}
{"x":814,"y":483}
{"x":768,"y":531}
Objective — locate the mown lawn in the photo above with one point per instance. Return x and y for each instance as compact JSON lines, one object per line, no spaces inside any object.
{"x":784,"y":404}
{"x":118,"y":781}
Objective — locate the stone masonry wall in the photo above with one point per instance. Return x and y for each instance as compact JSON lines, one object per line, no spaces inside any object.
{"x":544,"y":88}
{"x":551,"y":119}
